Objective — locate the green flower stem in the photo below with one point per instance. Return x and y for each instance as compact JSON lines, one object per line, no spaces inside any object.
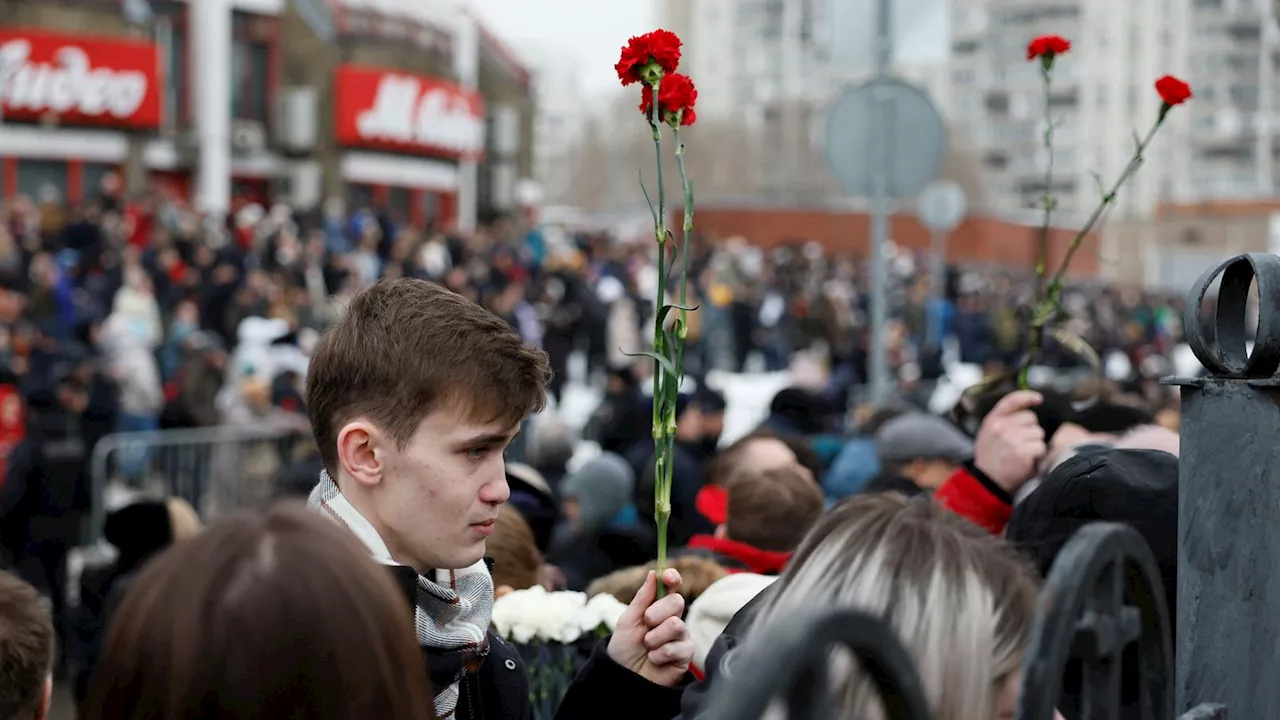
{"x":664,"y":469}
{"x":663,"y":409}
{"x":1042,"y":259}
{"x":1048,"y":305}
{"x":1036,"y":339}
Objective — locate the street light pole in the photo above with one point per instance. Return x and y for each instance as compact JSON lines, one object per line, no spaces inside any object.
{"x":880,"y":213}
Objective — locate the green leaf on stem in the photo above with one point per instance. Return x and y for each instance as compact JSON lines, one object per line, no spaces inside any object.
{"x":1077,"y":345}
{"x":652,"y":210}
{"x":666,"y":310}
{"x":662,"y":360}
{"x":1102,"y":187}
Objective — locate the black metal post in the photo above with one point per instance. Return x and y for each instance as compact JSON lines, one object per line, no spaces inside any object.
{"x":1228,"y":615}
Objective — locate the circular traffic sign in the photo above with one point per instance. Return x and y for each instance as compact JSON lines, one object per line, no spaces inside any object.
{"x":912,"y":137}
{"x":941,"y":205}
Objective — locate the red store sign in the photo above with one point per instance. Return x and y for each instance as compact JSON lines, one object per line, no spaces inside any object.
{"x":391,"y":110}
{"x":80,"y":80}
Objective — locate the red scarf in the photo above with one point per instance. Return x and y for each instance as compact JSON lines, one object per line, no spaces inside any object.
{"x":762,"y":562}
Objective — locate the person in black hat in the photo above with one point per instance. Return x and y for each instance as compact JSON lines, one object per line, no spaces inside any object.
{"x":1131,"y":486}
{"x":687,"y":477}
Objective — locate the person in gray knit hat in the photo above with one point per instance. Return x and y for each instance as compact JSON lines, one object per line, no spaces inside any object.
{"x":922,"y":448}
{"x":601,"y":532}
{"x":599,"y":493}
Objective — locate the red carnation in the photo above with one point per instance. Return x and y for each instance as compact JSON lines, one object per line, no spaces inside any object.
{"x":1047,"y":47}
{"x":660,"y":48}
{"x":1172,"y":90}
{"x":678,"y":96}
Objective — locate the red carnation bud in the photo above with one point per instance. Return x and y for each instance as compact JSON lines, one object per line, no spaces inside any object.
{"x":678,"y":96}
{"x":646,"y":54}
{"x":1047,"y":47}
{"x":1172,"y":90}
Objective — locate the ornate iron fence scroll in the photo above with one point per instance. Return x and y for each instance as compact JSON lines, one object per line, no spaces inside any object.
{"x":1102,"y":595}
{"x":795,"y":667}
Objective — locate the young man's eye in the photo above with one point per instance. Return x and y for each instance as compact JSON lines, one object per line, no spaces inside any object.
{"x":477,"y":453}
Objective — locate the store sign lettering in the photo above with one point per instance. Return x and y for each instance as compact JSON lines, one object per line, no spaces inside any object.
{"x":71,"y":84}
{"x":404,"y":111}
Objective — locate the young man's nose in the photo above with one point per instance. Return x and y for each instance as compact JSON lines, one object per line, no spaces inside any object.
{"x":496,"y":492}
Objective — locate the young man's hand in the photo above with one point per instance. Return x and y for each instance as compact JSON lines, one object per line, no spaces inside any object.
{"x":651,"y":638}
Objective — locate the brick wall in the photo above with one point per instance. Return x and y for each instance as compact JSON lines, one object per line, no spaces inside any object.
{"x":977,"y":239}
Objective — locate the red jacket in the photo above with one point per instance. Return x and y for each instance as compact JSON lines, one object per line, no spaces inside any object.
{"x":969,"y":493}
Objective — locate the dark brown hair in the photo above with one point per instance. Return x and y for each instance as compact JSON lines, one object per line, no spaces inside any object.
{"x":407,"y":347}
{"x":725,"y":464}
{"x":26,"y":648}
{"x":514,"y":552}
{"x":772,"y":510}
{"x":273,"y":615}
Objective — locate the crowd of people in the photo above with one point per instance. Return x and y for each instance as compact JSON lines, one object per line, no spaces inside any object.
{"x":434,"y":446}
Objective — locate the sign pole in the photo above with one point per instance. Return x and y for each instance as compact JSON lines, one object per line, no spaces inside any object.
{"x":880,"y":210}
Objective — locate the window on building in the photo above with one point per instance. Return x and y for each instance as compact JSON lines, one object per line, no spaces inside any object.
{"x":359,"y":196}
{"x":250,"y":68}
{"x":771,"y":28}
{"x":400,"y":202}
{"x":91,"y":181}
{"x":430,"y":208}
{"x":43,"y":180}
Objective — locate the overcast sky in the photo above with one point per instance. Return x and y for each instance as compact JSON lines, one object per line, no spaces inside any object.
{"x":593,"y":31}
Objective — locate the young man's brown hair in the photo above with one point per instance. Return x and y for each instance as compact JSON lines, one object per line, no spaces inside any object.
{"x":407,"y":347}
{"x":772,"y":510}
{"x":26,"y":649}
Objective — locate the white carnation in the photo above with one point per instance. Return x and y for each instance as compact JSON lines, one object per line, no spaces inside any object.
{"x":562,"y":617}
{"x":603,"y":609}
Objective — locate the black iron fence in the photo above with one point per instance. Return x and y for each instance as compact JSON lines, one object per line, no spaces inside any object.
{"x":1103,"y":595}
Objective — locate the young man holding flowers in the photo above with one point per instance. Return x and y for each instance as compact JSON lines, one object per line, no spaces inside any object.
{"x":413,"y":397}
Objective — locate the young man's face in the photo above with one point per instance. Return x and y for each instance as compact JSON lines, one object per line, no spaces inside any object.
{"x":438,"y":497}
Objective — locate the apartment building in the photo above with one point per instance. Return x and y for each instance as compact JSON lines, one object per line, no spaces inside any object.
{"x":1233,"y":48}
{"x":558,"y":119}
{"x":773,"y":66}
{"x":1101,"y":95}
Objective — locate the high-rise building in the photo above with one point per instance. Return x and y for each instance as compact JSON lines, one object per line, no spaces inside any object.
{"x":558,"y":120}
{"x":1101,"y":94}
{"x":773,"y":66}
{"x":1236,"y":117}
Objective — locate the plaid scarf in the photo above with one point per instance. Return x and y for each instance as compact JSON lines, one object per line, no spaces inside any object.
{"x":453,"y":607}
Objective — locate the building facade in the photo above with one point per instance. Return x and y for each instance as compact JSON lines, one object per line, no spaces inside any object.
{"x":559,"y":121}
{"x":404,"y":107}
{"x":1233,"y":66}
{"x":774,"y":66}
{"x":1101,"y":94}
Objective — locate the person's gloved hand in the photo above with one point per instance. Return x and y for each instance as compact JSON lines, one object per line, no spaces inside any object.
{"x":1010,"y":441}
{"x":650,"y":638}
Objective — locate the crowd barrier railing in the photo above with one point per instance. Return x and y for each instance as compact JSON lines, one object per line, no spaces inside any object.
{"x":217,"y":469}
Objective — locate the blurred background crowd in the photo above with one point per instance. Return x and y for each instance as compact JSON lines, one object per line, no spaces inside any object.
{"x":126,"y":316}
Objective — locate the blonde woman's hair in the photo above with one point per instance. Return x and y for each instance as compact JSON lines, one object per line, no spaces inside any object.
{"x":960,"y":600}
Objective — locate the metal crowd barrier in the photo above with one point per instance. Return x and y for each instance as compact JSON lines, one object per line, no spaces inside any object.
{"x":217,"y":469}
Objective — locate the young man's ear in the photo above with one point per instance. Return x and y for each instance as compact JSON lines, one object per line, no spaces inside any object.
{"x":360,"y":452}
{"x":722,"y":532}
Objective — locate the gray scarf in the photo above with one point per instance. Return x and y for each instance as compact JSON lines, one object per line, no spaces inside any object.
{"x":453,"y":607}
